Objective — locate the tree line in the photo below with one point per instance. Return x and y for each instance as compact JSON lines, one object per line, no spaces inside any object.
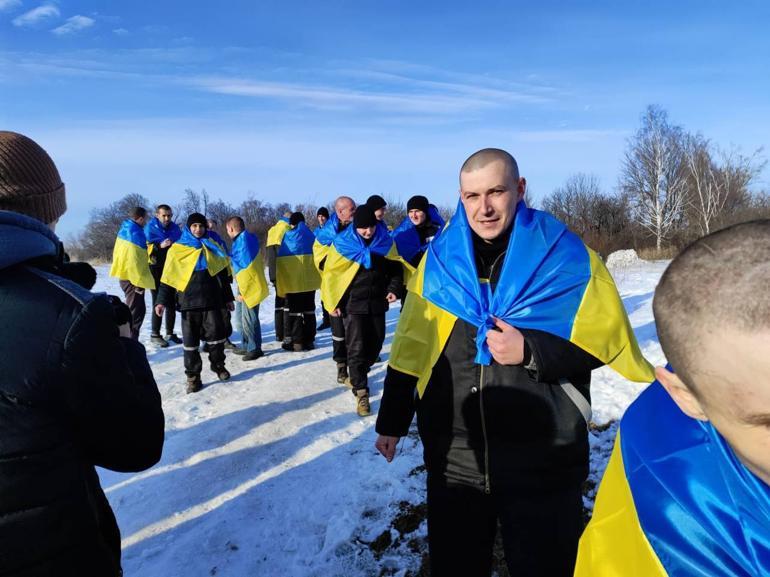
{"x":673,"y":187}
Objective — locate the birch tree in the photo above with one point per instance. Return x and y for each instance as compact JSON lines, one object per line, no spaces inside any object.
{"x":653,"y":174}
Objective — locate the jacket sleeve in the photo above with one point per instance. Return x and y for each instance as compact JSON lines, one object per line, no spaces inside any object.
{"x":271,"y":253}
{"x":110,"y":393}
{"x":225,"y":280}
{"x":395,"y":271}
{"x":397,"y":406}
{"x":166,"y":295}
{"x":554,"y":358}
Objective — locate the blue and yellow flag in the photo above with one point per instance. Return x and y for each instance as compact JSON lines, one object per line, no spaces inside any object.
{"x":675,"y":500}
{"x":249,"y":269}
{"x":190,"y":254}
{"x":347,"y":253}
{"x":407,"y":240}
{"x":129,"y":257}
{"x":295,"y":271}
{"x":549,"y":281}
{"x":324,"y":237}
{"x":157,"y":233}
{"x":275,"y":233}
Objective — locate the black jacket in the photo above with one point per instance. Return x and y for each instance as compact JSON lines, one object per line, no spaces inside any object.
{"x":203,"y":292}
{"x":73,"y":395}
{"x":368,"y":289}
{"x":426,"y":232}
{"x":497,"y":426}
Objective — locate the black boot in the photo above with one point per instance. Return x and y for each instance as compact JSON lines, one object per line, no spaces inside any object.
{"x":194,"y":383}
{"x":342,"y":373}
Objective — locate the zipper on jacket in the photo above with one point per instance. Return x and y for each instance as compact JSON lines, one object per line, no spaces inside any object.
{"x":487,"y":484}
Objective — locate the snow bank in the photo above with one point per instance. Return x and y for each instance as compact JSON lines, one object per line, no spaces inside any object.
{"x":622,"y":258}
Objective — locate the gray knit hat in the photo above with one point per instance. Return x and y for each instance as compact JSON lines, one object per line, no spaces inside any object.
{"x":29,"y":181}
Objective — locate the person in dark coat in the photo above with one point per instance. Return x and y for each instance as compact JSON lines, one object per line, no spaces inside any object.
{"x":363,"y":306}
{"x":75,"y":391}
{"x":322,"y":216}
{"x":161,"y":232}
{"x":503,"y":443}
{"x":201,"y":296}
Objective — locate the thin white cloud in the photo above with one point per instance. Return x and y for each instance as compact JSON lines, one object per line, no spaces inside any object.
{"x":120,"y":32}
{"x":36,"y":15}
{"x":73,"y":25}
{"x":9,"y":4}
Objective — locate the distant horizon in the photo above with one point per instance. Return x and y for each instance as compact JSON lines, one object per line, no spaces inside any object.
{"x":301,"y":102}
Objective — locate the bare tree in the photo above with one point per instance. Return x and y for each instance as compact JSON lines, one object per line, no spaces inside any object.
{"x":654,"y":175}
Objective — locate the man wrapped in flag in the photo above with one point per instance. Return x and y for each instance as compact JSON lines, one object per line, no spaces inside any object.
{"x":297,"y":279}
{"x":274,"y":237}
{"x":358,"y":283}
{"x":421,"y":225}
{"x":226,"y":313}
{"x":161,"y":232}
{"x":322,"y":217}
{"x":344,"y":209}
{"x":196,"y":275}
{"x":249,"y":271}
{"x":507,"y":315}
{"x":130,"y":265}
{"x":687,"y":488}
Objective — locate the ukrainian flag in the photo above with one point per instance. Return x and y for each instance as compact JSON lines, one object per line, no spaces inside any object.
{"x":407,"y":240}
{"x":346,"y":255}
{"x":549,"y":281}
{"x":129,"y":257}
{"x":275,"y":233}
{"x":190,"y":254}
{"x":675,"y":500}
{"x":249,"y":269}
{"x":294,"y":268}
{"x":157,"y":233}
{"x":324,"y":237}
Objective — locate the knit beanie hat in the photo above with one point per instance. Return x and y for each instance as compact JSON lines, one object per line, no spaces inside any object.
{"x":417,"y":203}
{"x":323,"y":211}
{"x":364,"y":217}
{"x":29,"y":181}
{"x":197,"y":218}
{"x":296,"y":218}
{"x":376,"y":202}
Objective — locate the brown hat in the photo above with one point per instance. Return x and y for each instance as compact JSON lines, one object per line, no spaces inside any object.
{"x":29,"y":181}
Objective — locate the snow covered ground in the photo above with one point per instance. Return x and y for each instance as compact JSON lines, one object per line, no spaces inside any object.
{"x":272,"y":473}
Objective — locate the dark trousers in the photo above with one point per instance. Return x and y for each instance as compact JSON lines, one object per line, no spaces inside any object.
{"x":339,"y":350}
{"x":281,"y":315}
{"x":540,"y":529}
{"x":207,"y":326}
{"x":135,"y":303}
{"x":301,"y":327}
{"x":364,"y":335}
{"x":169,"y":315}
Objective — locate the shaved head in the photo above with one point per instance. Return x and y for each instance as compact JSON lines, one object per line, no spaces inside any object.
{"x":345,"y":207}
{"x":485,"y":156}
{"x":718,"y":284}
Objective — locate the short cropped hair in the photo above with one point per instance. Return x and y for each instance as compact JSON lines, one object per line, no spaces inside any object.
{"x":483,"y":157}
{"x":718,"y":282}
{"x":236,"y":222}
{"x":163,"y":207}
{"x":137,"y":212}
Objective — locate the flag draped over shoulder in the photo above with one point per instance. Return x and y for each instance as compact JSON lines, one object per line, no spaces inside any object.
{"x":407,"y":240}
{"x":324,"y":237}
{"x":157,"y":233}
{"x":190,"y":254}
{"x":129,"y":257}
{"x":248,"y":268}
{"x":549,"y":281}
{"x":275,"y":233}
{"x":675,"y":500}
{"x":347,"y":253}
{"x":294,"y":267}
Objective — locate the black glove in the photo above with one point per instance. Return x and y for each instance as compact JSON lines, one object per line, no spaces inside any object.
{"x":79,"y":272}
{"x":121,"y":311}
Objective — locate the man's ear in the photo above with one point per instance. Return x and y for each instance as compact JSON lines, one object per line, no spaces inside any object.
{"x":680,"y":393}
{"x":521,"y":188}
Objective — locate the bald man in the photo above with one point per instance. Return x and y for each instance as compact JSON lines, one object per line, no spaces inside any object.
{"x":502,"y":444}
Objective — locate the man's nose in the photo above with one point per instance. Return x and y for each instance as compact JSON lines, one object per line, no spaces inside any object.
{"x":486,"y":206}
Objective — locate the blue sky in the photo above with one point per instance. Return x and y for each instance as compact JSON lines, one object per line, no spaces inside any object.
{"x":302,"y":101}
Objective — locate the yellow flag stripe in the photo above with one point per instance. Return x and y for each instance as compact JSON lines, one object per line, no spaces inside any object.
{"x":614,"y":543}
{"x":129,"y":262}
